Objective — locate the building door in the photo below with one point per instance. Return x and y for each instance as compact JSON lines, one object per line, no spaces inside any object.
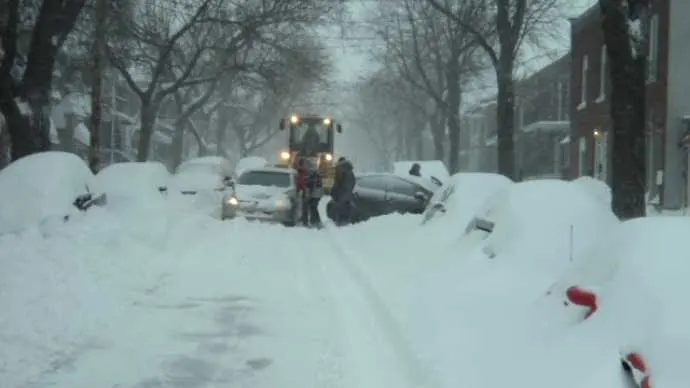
{"x":601,"y":155}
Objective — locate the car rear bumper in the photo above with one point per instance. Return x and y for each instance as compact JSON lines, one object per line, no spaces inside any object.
{"x":258,"y":214}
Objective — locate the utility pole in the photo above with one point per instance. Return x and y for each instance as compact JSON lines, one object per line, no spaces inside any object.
{"x":99,"y":55}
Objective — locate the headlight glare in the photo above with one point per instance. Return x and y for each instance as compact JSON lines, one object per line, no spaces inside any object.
{"x":233,"y":201}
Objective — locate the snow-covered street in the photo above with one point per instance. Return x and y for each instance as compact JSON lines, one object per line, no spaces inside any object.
{"x":242,"y":303}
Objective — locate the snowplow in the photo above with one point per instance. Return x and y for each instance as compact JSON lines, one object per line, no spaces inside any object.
{"x":311,"y":137}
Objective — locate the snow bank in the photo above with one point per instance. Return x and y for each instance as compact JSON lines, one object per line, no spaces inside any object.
{"x":640,"y":277}
{"x":41,"y":187}
{"x":545,"y":224}
{"x":62,"y":294}
{"x":596,"y":187}
{"x":470,"y":316}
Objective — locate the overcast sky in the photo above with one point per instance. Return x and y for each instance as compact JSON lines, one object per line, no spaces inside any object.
{"x":352,"y":61}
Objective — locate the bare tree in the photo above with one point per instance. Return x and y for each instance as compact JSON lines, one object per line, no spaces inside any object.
{"x":506,"y":25}
{"x":26,"y":76}
{"x":156,"y":41}
{"x":191,"y":30}
{"x":99,"y":61}
{"x":392,"y":114}
{"x":283,"y":74}
{"x":434,"y":55}
{"x":627,"y":52}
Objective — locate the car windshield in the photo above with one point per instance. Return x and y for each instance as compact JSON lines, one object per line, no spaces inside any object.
{"x":265,"y":178}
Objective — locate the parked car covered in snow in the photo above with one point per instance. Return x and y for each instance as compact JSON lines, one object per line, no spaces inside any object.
{"x":205,"y":173}
{"x":519,"y":214}
{"x":133,"y":183}
{"x":44,"y":187}
{"x":268,"y":194}
{"x":462,"y":196}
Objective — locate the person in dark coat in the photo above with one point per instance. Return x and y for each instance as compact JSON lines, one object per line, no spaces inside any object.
{"x":310,"y":141}
{"x":416,"y":170}
{"x":314,"y":194}
{"x":343,"y":191}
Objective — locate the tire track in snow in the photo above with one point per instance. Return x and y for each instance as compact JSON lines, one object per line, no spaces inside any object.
{"x":415,"y":371}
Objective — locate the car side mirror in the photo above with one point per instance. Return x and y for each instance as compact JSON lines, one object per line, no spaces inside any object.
{"x":339,"y":128}
{"x":281,"y":124}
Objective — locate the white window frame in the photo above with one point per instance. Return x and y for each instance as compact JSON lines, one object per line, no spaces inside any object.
{"x":583,"y":87}
{"x":603,"y":76}
{"x":653,"y":54}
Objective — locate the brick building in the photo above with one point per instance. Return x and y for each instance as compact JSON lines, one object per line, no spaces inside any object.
{"x":542,"y":128}
{"x":666,"y":107}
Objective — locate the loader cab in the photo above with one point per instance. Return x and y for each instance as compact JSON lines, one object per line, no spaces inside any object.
{"x":310,"y":136}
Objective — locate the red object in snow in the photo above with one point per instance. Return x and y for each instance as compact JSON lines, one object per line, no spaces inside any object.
{"x":637,"y":361}
{"x":646,"y":382}
{"x":583,"y":297}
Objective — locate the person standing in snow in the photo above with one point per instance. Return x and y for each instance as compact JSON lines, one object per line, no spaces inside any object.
{"x":314,"y":193}
{"x":416,"y":170}
{"x":343,"y":191}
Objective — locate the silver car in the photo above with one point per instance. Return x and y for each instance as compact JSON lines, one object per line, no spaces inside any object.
{"x":267,"y":194}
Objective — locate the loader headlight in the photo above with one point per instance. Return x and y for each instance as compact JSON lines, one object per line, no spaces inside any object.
{"x":327,"y":121}
{"x":329,"y":157}
{"x":232,"y":201}
{"x":294,"y":119}
{"x":284,"y":155}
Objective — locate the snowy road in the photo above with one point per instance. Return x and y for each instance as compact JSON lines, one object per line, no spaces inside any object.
{"x":288,"y":309}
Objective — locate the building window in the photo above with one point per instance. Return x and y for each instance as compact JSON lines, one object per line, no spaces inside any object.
{"x":583,"y":87}
{"x":603,"y":74}
{"x":653,"y":54}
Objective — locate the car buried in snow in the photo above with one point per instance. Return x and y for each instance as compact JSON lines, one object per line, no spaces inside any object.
{"x":264,"y":194}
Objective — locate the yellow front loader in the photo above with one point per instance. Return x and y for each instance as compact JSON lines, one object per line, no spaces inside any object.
{"x":311,"y":137}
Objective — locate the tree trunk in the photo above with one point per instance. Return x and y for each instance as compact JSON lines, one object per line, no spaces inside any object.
{"x":628,"y":169}
{"x":148,"y":120}
{"x":177,"y":146}
{"x":221,"y":132}
{"x":97,"y":87}
{"x":438,"y":134}
{"x":505,"y":116}
{"x":452,"y":115}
